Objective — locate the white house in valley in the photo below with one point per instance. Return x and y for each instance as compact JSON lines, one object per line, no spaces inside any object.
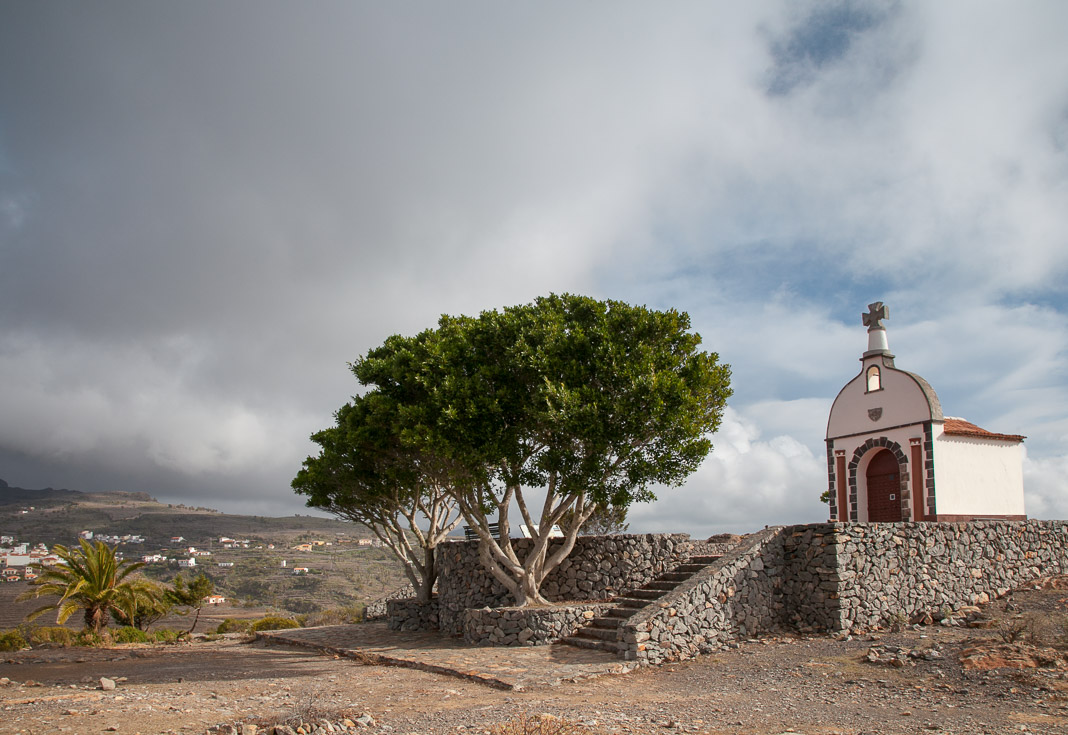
{"x":893,"y":456}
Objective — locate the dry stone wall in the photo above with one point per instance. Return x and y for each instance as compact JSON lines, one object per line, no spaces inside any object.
{"x":411,"y":615}
{"x":599,"y":567}
{"x":526,"y":626}
{"x":734,"y":597}
{"x":836,"y":577}
{"x":861,"y":575}
{"x":828,"y":577}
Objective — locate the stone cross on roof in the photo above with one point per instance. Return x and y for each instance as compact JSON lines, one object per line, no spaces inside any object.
{"x":876,"y":313}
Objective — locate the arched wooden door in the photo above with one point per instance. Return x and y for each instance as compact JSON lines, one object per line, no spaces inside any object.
{"x":884,"y":488}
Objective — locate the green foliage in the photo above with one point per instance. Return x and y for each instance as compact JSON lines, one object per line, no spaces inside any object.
{"x":367,"y":472}
{"x":606,"y":520}
{"x":273,"y":622}
{"x":147,"y":603}
{"x":190,"y":594}
{"x":53,"y":635}
{"x":168,"y":635}
{"x":89,"y":578}
{"x":234,"y":625}
{"x":91,"y":639}
{"x":12,"y":640}
{"x":594,"y":402}
{"x":129,"y":634}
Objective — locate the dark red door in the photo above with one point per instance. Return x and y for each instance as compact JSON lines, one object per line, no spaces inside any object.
{"x":884,"y":488}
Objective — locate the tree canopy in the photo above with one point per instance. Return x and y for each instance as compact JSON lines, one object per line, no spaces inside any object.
{"x":366,"y":472}
{"x":587,"y":403}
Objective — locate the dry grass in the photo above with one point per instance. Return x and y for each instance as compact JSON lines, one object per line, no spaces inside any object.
{"x":542,"y":724}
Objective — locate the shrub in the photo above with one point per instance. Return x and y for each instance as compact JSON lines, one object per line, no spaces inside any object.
{"x":12,"y":640}
{"x":129,"y":634}
{"x":55,"y":635}
{"x":168,"y":635}
{"x":273,"y":622}
{"x":336,"y":616}
{"x":543,"y":724}
{"x":233,"y":625}
{"x":1012,"y":630}
{"x":301,"y":606}
{"x":89,"y":638}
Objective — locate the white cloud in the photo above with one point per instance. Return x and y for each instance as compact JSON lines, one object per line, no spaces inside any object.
{"x":214,"y":235}
{"x":1045,"y":488}
{"x":747,"y":482}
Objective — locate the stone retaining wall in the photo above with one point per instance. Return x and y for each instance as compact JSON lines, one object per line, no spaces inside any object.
{"x":379,"y":609}
{"x":525,"y":626}
{"x":734,"y":597}
{"x":409,"y":614}
{"x":860,"y":575}
{"x":828,"y":577}
{"x":599,"y":567}
{"x":836,"y":577}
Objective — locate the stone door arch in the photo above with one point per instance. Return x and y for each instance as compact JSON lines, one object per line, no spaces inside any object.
{"x":875,"y":446}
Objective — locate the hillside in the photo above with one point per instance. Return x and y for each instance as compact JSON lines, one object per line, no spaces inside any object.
{"x":57,"y":516}
{"x":340,"y":571}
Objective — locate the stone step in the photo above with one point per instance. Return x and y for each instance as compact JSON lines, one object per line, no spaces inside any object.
{"x":608,"y":623}
{"x":688,"y":569}
{"x":593,"y":643}
{"x":601,"y":634}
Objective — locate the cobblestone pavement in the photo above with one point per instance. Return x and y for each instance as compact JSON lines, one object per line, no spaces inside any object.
{"x":514,"y":668}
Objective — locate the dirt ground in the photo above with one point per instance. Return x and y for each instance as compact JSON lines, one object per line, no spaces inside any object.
{"x":925,"y":679}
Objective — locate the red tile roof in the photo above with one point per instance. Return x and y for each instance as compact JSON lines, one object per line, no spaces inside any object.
{"x":960,"y":427}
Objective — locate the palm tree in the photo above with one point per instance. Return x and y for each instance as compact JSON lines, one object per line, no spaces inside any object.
{"x":90,"y":579}
{"x":146,"y":603}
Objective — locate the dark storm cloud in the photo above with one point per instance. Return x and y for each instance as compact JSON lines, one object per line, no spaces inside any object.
{"x":207,"y":209}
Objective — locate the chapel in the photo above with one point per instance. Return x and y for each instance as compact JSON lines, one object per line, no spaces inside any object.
{"x":893,"y":456}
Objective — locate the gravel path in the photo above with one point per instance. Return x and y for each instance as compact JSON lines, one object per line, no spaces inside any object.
{"x":813,"y":685}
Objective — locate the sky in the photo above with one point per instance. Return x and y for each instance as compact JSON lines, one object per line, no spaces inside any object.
{"x":208,"y":209}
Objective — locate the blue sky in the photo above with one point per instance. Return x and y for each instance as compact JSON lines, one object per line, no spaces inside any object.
{"x":207,"y":210}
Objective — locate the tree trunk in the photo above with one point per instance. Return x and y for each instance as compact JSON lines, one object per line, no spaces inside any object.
{"x":95,"y":618}
{"x":425,"y":591}
{"x":528,"y":591}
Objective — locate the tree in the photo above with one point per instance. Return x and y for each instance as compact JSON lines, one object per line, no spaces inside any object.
{"x":89,"y":578}
{"x":190,"y":594}
{"x":605,"y":521}
{"x":367,"y":473}
{"x":581,"y":402}
{"x":145,"y":603}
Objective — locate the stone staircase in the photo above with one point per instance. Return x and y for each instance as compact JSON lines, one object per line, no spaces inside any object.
{"x":603,"y":633}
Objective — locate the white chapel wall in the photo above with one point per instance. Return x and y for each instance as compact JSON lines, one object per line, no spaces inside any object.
{"x":978,"y":477}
